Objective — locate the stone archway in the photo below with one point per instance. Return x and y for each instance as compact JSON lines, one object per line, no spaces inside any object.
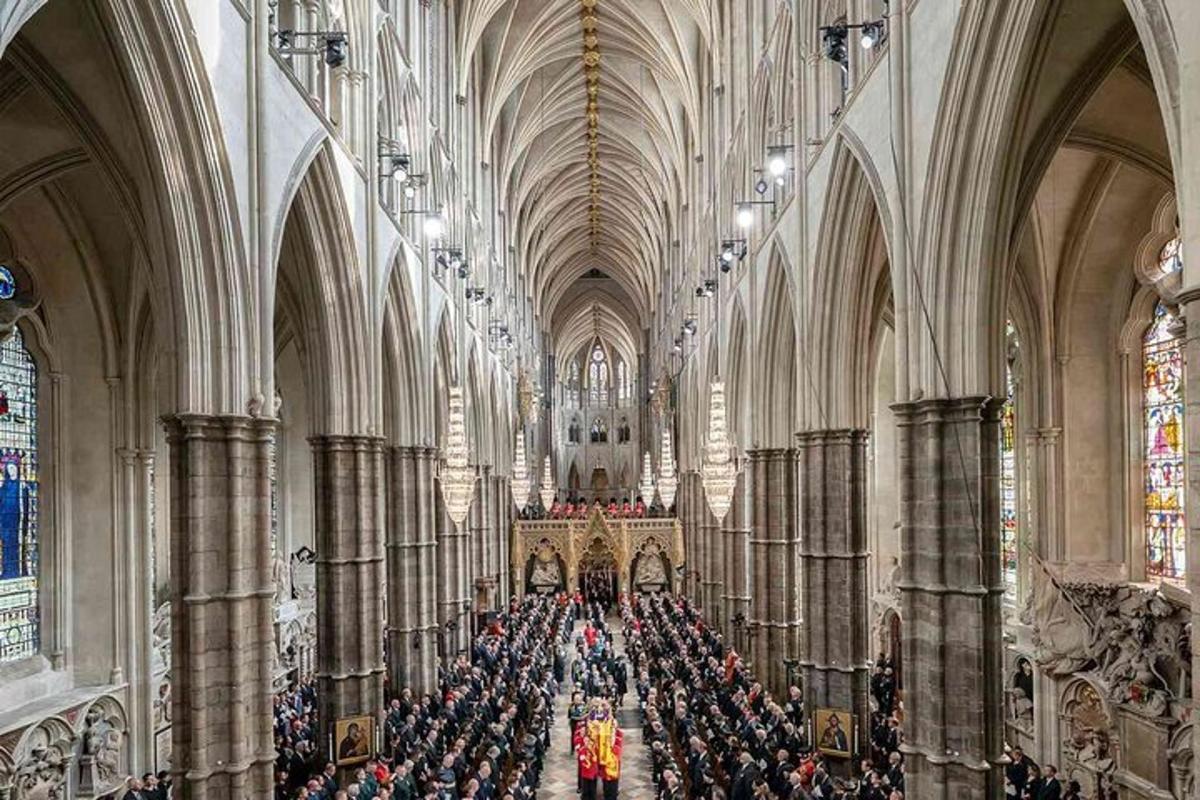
{"x":598,"y":575}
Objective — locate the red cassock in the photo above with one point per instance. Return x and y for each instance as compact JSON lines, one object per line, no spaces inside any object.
{"x":590,"y":634}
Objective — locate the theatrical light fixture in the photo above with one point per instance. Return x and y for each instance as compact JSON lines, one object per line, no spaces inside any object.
{"x":678,"y":347}
{"x":733,"y":249}
{"x":833,"y":44}
{"x":434,"y":224}
{"x":333,"y":45}
{"x":761,"y":186}
{"x":707,"y":289}
{"x":833,"y":39}
{"x":392,"y":162}
{"x":777,"y":160}
{"x":475,"y":294}
{"x":872,"y":34}
{"x":449,"y":258}
{"x":745,"y":212}
{"x":689,"y":326}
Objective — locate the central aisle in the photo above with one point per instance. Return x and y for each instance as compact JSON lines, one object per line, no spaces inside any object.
{"x":559,"y":776}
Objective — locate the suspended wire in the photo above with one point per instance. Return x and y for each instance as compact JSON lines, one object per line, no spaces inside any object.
{"x":912,"y":272}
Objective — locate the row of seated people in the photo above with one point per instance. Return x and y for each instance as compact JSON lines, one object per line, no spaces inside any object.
{"x":578,"y":508}
{"x":482,"y":736}
{"x":713,"y":730}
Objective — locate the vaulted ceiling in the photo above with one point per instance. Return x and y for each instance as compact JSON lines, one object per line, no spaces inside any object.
{"x":591,"y":107}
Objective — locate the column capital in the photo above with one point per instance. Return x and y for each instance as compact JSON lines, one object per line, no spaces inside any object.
{"x":216,"y":427}
{"x":852,"y":435}
{"x":949,"y":409}
{"x":347,"y":441}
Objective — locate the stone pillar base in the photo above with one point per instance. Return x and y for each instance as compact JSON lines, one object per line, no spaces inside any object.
{"x":836,"y":652}
{"x":222,"y":641}
{"x":348,"y":475}
{"x":951,"y":594}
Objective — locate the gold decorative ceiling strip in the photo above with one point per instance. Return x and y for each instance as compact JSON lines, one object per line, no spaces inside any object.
{"x":591,"y":72}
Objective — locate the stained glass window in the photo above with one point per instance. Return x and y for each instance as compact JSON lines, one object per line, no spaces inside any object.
{"x":598,"y":378}
{"x":19,"y":622}
{"x":1170,"y":258}
{"x":1162,"y":399}
{"x":1009,"y":557}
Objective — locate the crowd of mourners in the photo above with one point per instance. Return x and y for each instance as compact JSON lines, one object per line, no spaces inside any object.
{"x":575,"y":507}
{"x":715,"y":732}
{"x":482,"y":736}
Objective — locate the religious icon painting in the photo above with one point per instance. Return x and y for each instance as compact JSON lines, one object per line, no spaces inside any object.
{"x":353,"y":740}
{"x":834,"y":728}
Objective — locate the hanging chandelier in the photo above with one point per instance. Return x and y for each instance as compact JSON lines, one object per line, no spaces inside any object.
{"x":520,"y":475}
{"x":546,"y":490}
{"x":458,"y":478}
{"x":667,"y":482}
{"x":646,"y":486}
{"x":718,"y":470}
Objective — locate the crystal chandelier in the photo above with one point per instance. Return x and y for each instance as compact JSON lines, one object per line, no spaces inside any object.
{"x":646,"y":486}
{"x":458,"y":478}
{"x":520,"y":475}
{"x":667,"y":482}
{"x":547,"y":488}
{"x":718,"y":470}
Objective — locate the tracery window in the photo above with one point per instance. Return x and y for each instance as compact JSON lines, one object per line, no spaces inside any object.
{"x":1162,"y":426}
{"x":598,"y":377}
{"x":573,"y":384}
{"x":1009,"y":548}
{"x":1170,"y":258}
{"x":20,"y":625}
{"x":622,"y":382}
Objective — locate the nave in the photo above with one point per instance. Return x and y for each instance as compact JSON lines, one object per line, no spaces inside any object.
{"x":332,"y":330}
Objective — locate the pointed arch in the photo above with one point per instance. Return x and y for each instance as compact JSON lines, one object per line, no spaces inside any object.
{"x":852,"y":288}
{"x":776,"y":407}
{"x":404,"y":403}
{"x":320,"y":290}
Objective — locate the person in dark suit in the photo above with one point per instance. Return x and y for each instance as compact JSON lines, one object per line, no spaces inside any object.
{"x":1050,"y":789}
{"x":745,"y":777}
{"x":1020,"y":769}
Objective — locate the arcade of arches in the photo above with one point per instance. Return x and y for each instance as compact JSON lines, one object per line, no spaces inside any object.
{"x":252,"y":253}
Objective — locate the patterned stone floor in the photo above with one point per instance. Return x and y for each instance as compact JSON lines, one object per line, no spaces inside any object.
{"x":558,"y":777}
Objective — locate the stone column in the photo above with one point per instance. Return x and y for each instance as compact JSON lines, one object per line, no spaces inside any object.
{"x":222,"y":642}
{"x":349,"y":516}
{"x":504,"y":511}
{"x":833,"y":563}
{"x":775,"y":618}
{"x":951,"y":594}
{"x":410,"y":547}
{"x":712,"y":559}
{"x":693,"y":543}
{"x":478,"y":541}
{"x":452,"y":578}
{"x":729,"y":560}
